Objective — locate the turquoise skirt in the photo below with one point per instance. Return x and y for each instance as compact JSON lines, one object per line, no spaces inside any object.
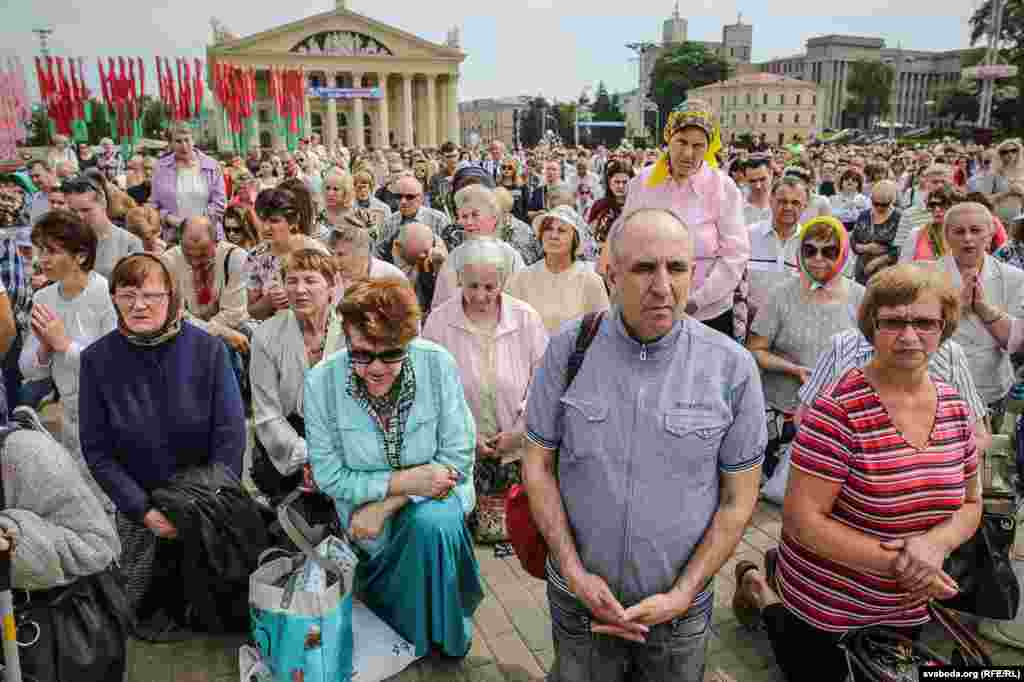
{"x":426,"y":582}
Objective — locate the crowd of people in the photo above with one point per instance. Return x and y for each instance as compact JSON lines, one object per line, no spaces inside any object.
{"x":396,"y":327}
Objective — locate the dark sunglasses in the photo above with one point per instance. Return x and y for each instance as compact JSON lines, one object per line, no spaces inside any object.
{"x":896,"y":325}
{"x":409,"y":197}
{"x":881,"y":204}
{"x":828,"y":252}
{"x":1012,"y":150}
{"x":388,"y":357}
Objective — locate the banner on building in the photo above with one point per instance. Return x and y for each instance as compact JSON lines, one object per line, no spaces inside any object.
{"x":345,"y":93}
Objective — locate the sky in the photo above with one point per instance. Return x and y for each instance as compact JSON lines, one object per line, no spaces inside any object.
{"x":553,"y":48}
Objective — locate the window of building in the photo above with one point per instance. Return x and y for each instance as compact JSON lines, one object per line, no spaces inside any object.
{"x":780,"y":118}
{"x":798,"y":100}
{"x":747,"y":117}
{"x":782,"y":100}
{"x":734,"y":100}
{"x":765,"y":98}
{"x":748,"y":99}
{"x":734,"y":119}
{"x":814,"y":118}
{"x":764,"y":118}
{"x":723,"y":101}
{"x":814,"y":100}
{"x":796,"y":118}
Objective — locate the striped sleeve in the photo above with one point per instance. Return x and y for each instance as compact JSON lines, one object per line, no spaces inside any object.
{"x":822,"y":444}
{"x":961,"y":379}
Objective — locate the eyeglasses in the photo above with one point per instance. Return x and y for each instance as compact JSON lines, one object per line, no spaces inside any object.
{"x":881,"y":204}
{"x":1012,"y":150}
{"x":896,"y":325}
{"x":409,"y":197}
{"x":810,"y":251}
{"x":149,"y":299}
{"x":936,"y":205}
{"x":388,"y":357}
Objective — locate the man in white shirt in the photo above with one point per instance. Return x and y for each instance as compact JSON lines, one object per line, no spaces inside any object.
{"x":773,"y":242}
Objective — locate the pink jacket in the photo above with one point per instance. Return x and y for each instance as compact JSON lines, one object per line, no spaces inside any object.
{"x":521,"y":342}
{"x":712,"y":207}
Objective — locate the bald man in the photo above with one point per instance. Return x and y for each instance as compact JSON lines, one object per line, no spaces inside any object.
{"x":210,"y":275}
{"x":655,"y":383}
{"x":419,"y":254}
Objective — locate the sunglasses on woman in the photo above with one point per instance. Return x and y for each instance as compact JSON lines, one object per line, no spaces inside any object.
{"x":830,"y":252}
{"x":388,"y":357}
{"x":896,"y":325}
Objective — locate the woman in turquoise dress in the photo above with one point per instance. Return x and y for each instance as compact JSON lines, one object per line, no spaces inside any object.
{"x":391,"y":440}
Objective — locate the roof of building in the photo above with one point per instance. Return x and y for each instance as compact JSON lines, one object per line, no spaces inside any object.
{"x":761,"y":79}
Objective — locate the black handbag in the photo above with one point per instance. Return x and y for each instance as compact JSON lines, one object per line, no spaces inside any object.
{"x":72,"y":633}
{"x":982,"y":568}
{"x":266,"y":476}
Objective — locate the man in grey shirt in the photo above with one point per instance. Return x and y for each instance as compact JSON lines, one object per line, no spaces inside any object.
{"x":660,"y":441}
{"x":89,"y":200}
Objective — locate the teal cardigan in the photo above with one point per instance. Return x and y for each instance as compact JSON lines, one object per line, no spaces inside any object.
{"x":345,"y":444}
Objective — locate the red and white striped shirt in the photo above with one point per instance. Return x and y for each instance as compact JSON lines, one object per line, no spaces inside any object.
{"x":890,"y":489}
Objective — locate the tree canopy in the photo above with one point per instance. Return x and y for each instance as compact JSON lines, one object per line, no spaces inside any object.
{"x":869,"y":86}
{"x":1011,"y":44}
{"x":681,"y":69}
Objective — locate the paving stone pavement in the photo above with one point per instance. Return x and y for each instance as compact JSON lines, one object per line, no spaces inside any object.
{"x":513,"y":637}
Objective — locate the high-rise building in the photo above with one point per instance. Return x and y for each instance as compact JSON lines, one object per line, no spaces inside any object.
{"x":827,"y":62}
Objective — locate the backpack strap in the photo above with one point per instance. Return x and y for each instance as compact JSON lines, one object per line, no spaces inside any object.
{"x":227,"y":263}
{"x":588,"y":330}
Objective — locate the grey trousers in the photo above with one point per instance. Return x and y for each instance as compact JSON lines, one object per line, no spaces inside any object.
{"x":674,"y":651}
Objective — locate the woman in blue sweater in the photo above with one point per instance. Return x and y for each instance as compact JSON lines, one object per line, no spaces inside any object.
{"x":157,"y":396}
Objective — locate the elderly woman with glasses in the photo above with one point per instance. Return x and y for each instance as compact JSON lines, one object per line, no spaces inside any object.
{"x":187,"y":183}
{"x":285,"y":219}
{"x":497,"y":341}
{"x":391,"y":440}
{"x":157,"y":396}
{"x":800,"y":317}
{"x":874,"y":235}
{"x":851,"y":556}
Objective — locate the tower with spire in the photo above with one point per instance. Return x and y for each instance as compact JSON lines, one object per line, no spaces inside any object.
{"x":673,"y":31}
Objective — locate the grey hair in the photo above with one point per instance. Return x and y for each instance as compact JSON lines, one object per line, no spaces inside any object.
{"x":559,"y":194}
{"x":351,"y":234}
{"x":791,"y":181}
{"x":485,"y":251}
{"x":478,"y":196}
{"x":965,"y":207}
{"x":617,"y":237}
{"x":211,"y":228}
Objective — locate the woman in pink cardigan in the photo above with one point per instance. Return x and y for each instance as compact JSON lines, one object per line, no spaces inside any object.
{"x":187,"y":183}
{"x":497,"y":341}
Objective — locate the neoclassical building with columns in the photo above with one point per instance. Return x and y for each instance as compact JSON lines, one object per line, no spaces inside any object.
{"x":368,"y":84}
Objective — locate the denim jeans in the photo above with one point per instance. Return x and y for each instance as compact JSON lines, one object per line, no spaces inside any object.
{"x":674,"y":651}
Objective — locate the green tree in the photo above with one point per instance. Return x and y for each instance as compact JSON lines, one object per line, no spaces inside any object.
{"x":532,"y":120}
{"x":869,"y":86}
{"x":1011,"y":43}
{"x":38,"y":128}
{"x":681,"y":69}
{"x":958,"y":101}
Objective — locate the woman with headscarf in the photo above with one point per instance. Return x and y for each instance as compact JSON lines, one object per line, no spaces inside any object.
{"x":608,"y":208}
{"x":187,"y":183}
{"x":391,"y":440}
{"x":797,"y":322}
{"x":561,"y":287}
{"x":686,"y":180}
{"x":157,"y":396}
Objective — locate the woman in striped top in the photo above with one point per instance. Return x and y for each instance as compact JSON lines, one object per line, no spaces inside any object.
{"x":883,"y":487}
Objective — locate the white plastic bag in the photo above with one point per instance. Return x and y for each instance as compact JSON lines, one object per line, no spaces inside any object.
{"x":774,"y":489}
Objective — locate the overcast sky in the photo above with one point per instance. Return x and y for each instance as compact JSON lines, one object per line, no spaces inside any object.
{"x":514,"y":47}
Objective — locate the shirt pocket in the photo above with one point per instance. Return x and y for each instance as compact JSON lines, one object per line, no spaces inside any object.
{"x":363,"y":448}
{"x":420,"y":443}
{"x":584,"y":421}
{"x":692,"y":440}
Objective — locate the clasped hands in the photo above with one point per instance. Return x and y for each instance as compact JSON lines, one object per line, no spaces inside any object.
{"x":632,"y":624}
{"x":918,"y":569}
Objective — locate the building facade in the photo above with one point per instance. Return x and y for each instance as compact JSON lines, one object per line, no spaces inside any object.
{"x":736,"y":46}
{"x":827,"y":63}
{"x":490,"y":119}
{"x":783,"y":109}
{"x":407,"y":86}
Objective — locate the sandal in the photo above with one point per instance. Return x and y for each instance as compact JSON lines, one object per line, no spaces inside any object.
{"x":745,"y":609}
